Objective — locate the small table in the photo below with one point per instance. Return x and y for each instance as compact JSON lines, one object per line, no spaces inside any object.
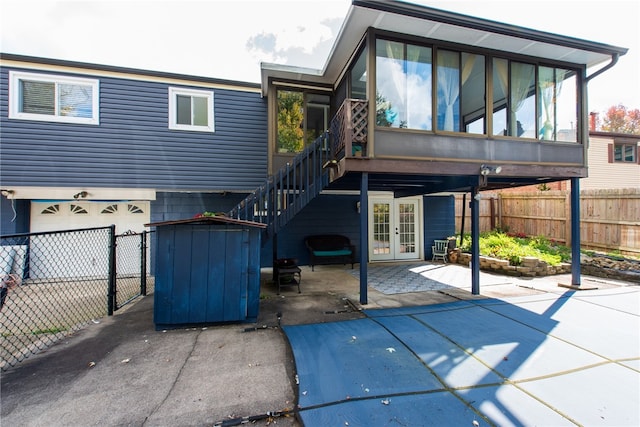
{"x":287,"y":273}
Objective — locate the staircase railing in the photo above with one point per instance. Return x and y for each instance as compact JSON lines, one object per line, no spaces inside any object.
{"x":290,"y":189}
{"x":285,"y":193}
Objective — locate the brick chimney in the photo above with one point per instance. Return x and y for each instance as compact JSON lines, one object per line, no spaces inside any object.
{"x":593,"y":120}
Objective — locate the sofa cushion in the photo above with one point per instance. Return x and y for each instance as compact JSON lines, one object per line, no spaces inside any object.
{"x":333,"y":253}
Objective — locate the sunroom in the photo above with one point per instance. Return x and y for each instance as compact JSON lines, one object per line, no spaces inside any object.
{"x":420,"y":101}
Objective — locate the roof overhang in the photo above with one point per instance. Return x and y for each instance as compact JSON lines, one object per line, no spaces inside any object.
{"x":435,"y":24}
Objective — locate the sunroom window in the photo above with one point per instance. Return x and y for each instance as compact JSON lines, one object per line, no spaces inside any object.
{"x":47,"y":97}
{"x":302,"y":117}
{"x":403,"y":85}
{"x":527,"y":100}
{"x":557,"y":113}
{"x":522,"y":100}
{"x":461,"y":92}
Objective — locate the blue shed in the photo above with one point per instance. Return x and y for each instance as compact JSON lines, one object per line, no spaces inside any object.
{"x":207,"y":271}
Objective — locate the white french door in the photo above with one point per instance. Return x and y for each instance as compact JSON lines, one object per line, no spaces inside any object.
{"x":394,"y":226}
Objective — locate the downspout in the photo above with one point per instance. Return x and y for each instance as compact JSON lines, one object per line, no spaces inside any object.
{"x":575,"y":193}
{"x":614,"y":61}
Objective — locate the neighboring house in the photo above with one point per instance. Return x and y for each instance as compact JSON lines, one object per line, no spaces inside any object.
{"x":613,"y":161}
{"x":420,"y":104}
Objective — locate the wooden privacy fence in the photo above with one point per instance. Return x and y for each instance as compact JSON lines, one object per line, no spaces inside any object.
{"x":609,"y":219}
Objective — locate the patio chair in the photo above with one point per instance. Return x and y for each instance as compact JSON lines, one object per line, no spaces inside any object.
{"x":439,"y":250}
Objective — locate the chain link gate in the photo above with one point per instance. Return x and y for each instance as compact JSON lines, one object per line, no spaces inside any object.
{"x":132,"y":264}
{"x":55,"y":283}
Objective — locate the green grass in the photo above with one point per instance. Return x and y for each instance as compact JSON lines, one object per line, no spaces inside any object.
{"x":500,"y":245}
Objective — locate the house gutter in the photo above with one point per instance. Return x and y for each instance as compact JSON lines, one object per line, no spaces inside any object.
{"x":614,"y":61}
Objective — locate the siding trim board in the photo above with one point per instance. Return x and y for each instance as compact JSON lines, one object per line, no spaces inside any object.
{"x":85,"y":69}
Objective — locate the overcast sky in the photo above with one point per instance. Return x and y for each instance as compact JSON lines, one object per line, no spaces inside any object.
{"x":229,"y":39}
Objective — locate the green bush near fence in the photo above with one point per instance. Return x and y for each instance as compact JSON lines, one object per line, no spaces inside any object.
{"x":501,"y":245}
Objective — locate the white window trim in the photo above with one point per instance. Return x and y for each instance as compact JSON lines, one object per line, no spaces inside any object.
{"x":14,"y":98}
{"x":173,"y":94}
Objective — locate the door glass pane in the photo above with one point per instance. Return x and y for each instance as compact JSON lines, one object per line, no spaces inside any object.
{"x":37,"y":97}
{"x":183,"y":113}
{"x":522,"y":120}
{"x":381,"y":229}
{"x":406,"y":227}
{"x":448,"y":91}
{"x":75,"y":100}
{"x":200,"y":116}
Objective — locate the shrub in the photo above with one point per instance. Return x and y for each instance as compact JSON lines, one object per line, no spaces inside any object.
{"x":500,"y":245}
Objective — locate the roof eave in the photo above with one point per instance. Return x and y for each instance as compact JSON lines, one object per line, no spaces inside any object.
{"x":368,"y":13}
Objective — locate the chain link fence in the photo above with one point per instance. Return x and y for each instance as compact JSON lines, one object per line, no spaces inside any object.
{"x":55,"y":283}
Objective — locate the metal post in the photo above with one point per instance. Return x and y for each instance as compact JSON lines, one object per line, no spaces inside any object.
{"x":575,"y":231}
{"x":364,"y":236}
{"x":143,"y":263}
{"x":111,"y":292}
{"x":475,"y":242}
{"x":464,"y":214}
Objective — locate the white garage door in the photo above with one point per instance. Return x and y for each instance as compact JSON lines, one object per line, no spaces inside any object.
{"x":60,"y":215}
{"x":81,"y":254}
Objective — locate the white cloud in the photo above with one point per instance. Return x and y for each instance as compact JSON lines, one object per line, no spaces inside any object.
{"x":210,"y":37}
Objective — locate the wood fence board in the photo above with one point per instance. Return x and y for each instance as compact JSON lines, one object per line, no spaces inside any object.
{"x":609,"y":219}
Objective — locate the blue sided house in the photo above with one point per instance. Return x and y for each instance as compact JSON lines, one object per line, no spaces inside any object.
{"x":413,"y":105}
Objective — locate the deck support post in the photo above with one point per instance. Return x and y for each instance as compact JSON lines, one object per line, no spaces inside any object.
{"x":575,"y":231}
{"x":475,"y":241}
{"x":364,"y":236}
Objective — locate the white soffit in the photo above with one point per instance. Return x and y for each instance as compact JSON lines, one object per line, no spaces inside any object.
{"x":359,"y":18}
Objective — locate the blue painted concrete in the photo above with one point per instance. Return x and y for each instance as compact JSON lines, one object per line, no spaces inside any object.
{"x":558,"y":358}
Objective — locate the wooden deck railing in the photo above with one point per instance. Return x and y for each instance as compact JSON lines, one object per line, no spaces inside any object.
{"x":349,"y":129}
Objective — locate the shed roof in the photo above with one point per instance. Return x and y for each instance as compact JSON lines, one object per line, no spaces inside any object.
{"x":208,"y":220}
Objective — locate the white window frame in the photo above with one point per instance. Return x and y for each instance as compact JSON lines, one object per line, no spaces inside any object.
{"x":173,"y":116}
{"x":15,"y":97}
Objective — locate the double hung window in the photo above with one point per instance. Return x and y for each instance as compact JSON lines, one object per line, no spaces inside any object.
{"x":53,"y":98}
{"x":624,"y":153}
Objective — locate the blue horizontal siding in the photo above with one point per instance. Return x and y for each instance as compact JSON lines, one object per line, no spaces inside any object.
{"x":133,"y":146}
{"x":326,"y":214}
{"x":439,"y":220}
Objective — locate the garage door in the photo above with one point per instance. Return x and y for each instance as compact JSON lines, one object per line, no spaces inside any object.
{"x":81,"y":254}
{"x":62,"y":215}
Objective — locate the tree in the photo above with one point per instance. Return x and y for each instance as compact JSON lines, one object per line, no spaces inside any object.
{"x":290,"y":121}
{"x":619,"y":119}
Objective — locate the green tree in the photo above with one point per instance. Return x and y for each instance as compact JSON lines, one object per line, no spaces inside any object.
{"x":290,"y":121}
{"x":619,"y":119}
